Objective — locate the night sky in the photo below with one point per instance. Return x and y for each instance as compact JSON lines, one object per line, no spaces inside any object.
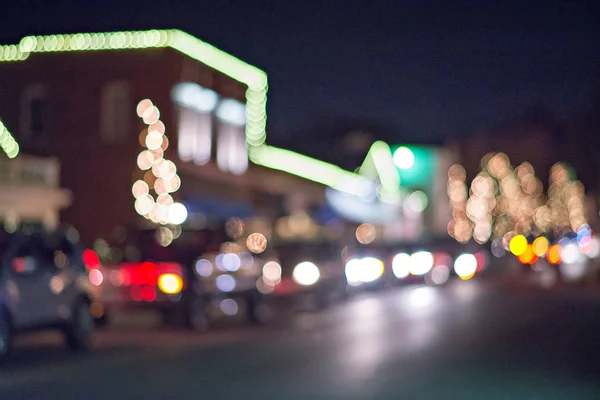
{"x":426,"y":69}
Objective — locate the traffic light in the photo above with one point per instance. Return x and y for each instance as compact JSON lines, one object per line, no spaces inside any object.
{"x":416,"y":165}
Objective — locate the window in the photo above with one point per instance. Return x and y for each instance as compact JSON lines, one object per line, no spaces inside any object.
{"x":195,"y":106}
{"x":34,"y":112}
{"x":115,"y":118}
{"x":232,"y":154}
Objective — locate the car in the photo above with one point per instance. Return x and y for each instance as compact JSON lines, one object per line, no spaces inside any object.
{"x":304,"y":275}
{"x":365,"y":268}
{"x":191,"y":279}
{"x":435,"y":262}
{"x":226,"y":282}
{"x":44,"y":284}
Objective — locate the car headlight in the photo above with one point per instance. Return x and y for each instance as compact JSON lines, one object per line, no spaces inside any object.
{"x":465,"y":266}
{"x":401,"y":265}
{"x":170,"y":283}
{"x":363,"y":270}
{"x":306,"y":273}
{"x":372,"y":270}
{"x":421,"y":262}
{"x":353,"y":272}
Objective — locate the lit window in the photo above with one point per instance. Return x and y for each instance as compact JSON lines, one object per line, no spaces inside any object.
{"x":34,"y":112}
{"x":232,"y":154}
{"x":195,"y":106}
{"x":115,"y":121}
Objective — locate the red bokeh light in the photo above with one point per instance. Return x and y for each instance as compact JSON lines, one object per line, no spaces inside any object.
{"x":149,"y":274}
{"x":481,"y":261}
{"x":91,"y":259}
{"x":148,"y":294}
{"x":135,"y":293}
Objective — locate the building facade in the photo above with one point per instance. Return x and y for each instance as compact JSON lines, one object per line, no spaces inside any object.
{"x":112,"y":107}
{"x":31,"y":193}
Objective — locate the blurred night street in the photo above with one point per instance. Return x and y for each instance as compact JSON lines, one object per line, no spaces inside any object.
{"x":319,"y":200}
{"x":480,"y":339}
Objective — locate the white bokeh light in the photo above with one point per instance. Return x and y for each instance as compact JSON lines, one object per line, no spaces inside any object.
{"x":421,"y":262}
{"x":204,"y":267}
{"x":177,"y":213}
{"x":401,"y":265}
{"x":225,"y":283}
{"x":465,"y":265}
{"x":306,"y":273}
{"x":404,"y":158}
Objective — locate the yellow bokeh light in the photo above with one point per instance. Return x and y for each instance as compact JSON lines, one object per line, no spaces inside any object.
{"x":170,"y":283}
{"x":466,"y":277}
{"x":528,"y":256}
{"x":540,"y":246}
{"x":553,"y":255}
{"x":518,"y":245}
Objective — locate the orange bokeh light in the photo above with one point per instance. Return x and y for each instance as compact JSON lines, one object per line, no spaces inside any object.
{"x":553,"y":255}
{"x":528,"y":257}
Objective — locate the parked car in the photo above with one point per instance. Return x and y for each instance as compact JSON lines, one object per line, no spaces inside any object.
{"x":44,"y":284}
{"x":192,"y":279}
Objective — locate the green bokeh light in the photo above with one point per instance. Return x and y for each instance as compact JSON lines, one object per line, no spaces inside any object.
{"x":421,"y":171}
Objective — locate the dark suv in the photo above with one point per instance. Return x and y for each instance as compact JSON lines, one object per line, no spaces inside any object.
{"x":191,"y":279}
{"x":44,"y":284}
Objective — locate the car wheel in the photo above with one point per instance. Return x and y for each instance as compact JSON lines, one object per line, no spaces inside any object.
{"x":78,"y":331}
{"x":5,"y":336}
{"x":197,"y":316}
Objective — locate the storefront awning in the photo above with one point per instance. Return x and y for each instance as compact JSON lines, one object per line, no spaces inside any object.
{"x":219,"y":209}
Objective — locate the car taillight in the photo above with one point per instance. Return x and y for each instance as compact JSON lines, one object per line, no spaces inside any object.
{"x":149,"y":274}
{"x":91,"y":259}
{"x":170,"y":283}
{"x":148,"y":293}
{"x":145,"y":278}
{"x":125,"y":276}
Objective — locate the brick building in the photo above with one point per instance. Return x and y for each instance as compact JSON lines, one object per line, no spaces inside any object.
{"x":75,"y":97}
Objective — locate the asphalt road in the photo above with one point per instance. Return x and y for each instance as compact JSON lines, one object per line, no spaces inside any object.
{"x":467,"y":340}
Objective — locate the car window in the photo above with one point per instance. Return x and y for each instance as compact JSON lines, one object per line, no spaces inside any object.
{"x":41,"y":251}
